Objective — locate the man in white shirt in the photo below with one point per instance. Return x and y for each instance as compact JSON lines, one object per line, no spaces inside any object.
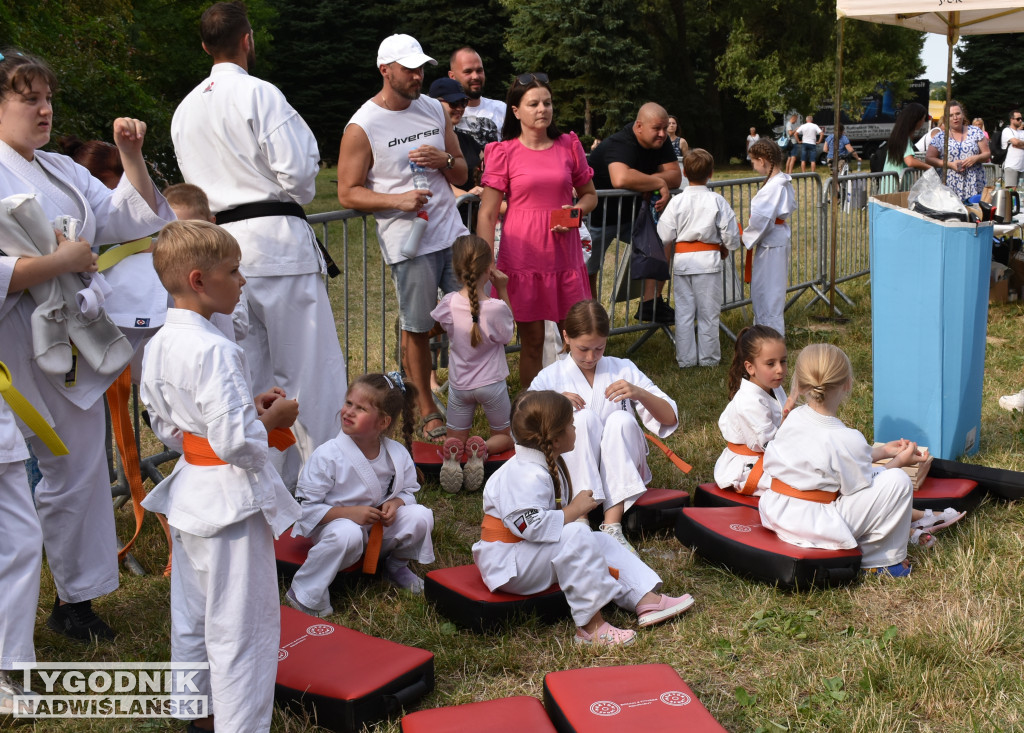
{"x":237,"y":138}
{"x":394,"y":129}
{"x":810,"y":135}
{"x":1013,"y":141}
{"x":483,"y":117}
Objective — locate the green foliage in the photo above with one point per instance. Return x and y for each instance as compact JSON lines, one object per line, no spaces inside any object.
{"x":589,"y":48}
{"x":991,"y":71}
{"x":781,"y":623}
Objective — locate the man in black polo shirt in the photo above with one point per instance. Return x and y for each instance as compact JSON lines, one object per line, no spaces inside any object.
{"x":634,"y":158}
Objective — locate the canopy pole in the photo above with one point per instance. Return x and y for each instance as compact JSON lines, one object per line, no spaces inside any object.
{"x":836,"y":117}
{"x":951,"y":39}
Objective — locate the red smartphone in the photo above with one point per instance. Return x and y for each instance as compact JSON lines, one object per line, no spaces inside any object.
{"x":569,"y":218}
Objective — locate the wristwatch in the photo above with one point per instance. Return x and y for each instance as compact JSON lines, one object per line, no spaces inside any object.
{"x":451,"y":161}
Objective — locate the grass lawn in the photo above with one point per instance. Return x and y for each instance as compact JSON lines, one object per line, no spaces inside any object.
{"x":940,"y":651}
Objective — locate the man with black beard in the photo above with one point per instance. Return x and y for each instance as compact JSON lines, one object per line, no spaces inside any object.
{"x":483,"y":117}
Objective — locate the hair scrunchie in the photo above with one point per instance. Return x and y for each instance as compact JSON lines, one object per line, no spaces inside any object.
{"x":394,"y":379}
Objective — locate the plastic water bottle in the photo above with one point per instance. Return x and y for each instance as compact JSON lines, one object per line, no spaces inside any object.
{"x":419,"y":177}
{"x":412,"y":242}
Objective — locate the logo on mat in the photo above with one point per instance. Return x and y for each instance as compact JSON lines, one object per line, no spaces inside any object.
{"x":282,"y":654}
{"x":675,"y":697}
{"x":320,"y":630}
{"x":739,"y":527}
{"x":605,"y":708}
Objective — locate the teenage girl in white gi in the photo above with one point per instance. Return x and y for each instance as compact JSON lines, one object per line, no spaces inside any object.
{"x":824,"y":490}
{"x":767,"y":235}
{"x":478,"y":328}
{"x":610,"y":458}
{"x":355,"y":481}
{"x":756,"y":407}
{"x":73,"y":498}
{"x":532,"y":536}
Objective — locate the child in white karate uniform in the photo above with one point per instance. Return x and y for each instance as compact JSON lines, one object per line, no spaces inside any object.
{"x":224,"y":501}
{"x":824,"y":491}
{"x":756,"y":407}
{"x":478,"y":328}
{"x":610,"y":458}
{"x":359,"y":484}
{"x":531,"y":538}
{"x":767,"y":236}
{"x":700,"y":228}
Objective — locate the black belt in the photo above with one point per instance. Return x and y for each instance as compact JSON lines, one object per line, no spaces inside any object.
{"x":276,"y":208}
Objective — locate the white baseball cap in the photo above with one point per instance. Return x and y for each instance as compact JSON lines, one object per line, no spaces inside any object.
{"x":404,"y":49}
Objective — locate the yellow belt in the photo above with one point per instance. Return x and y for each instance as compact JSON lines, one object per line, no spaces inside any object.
{"x":29,"y":415}
{"x":116,"y":253}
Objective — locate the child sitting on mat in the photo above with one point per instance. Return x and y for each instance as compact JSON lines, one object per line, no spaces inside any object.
{"x":478,"y":328}
{"x":358,"y":495}
{"x":531,"y":537}
{"x":224,"y":501}
{"x":755,"y":410}
{"x":824,"y":492}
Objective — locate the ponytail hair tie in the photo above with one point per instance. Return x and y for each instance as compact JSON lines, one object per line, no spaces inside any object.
{"x":394,"y":379}
{"x":476,"y":318}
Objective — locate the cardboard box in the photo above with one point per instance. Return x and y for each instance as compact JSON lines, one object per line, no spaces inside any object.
{"x":999,"y":292}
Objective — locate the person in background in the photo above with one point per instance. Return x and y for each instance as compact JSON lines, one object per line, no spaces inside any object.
{"x":752,"y":138}
{"x":791,"y":147}
{"x":846,"y":150}
{"x":1013,"y":141}
{"x":449,"y":93}
{"x":968,"y":150}
{"x":980,"y":124}
{"x":679,"y":146}
{"x":483,"y":118}
{"x":809,"y":135}
{"x":899,"y":150}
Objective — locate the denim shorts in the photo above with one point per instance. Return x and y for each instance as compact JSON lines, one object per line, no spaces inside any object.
{"x":416,"y":282}
{"x":492,"y":397}
{"x":808,"y":152}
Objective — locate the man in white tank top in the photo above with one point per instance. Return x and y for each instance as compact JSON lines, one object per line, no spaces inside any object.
{"x":392,"y":130}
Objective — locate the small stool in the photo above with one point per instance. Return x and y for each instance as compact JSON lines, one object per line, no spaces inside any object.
{"x":459,"y":593}
{"x":316,"y":671}
{"x":427,"y":457}
{"x":938,"y":493}
{"x":714,"y":495}
{"x":657,"y":509}
{"x":505,"y":715}
{"x":734,"y":537}
{"x":651,"y":698}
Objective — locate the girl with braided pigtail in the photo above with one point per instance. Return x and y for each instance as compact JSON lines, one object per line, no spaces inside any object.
{"x":478,"y":328}
{"x":767,"y":236}
{"x":358,"y":495}
{"x":531,"y":538}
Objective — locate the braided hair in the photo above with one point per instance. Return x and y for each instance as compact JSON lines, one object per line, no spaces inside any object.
{"x":820,"y":370}
{"x":537,"y":419}
{"x":748,"y":346}
{"x":392,"y":396}
{"x":472,"y":260}
{"x":767,"y":149}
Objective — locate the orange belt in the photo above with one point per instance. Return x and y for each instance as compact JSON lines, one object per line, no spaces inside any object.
{"x":748,"y":266}
{"x":683,"y":248}
{"x":750,"y":486}
{"x":493,"y":529}
{"x":821,"y":497}
{"x":199,"y":452}
{"x":373,"y":544}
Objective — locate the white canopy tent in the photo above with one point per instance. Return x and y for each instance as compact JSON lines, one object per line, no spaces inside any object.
{"x":952,"y":18}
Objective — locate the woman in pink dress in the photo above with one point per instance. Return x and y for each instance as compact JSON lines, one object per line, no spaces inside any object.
{"x":535,"y":168}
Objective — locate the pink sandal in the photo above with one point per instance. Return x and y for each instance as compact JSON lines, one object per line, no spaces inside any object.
{"x":605,"y":635}
{"x":668,"y":607}
{"x":473,"y":473}
{"x":451,"y":470}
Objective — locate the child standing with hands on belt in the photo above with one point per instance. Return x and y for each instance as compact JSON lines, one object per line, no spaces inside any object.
{"x":224,"y":501}
{"x":700,"y":227}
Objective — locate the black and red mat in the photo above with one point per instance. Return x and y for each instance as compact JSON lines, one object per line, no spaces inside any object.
{"x":646,"y":698}
{"x":427,"y":457}
{"x":321,"y":668}
{"x":505,"y":715}
{"x":290,"y":552}
{"x":459,"y":594}
{"x":657,"y":509}
{"x":734,"y":537}
{"x":713,"y":495}
{"x":1000,"y":482}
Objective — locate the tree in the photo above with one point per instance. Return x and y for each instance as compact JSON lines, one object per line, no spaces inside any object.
{"x":989,"y":83}
{"x":589,"y":49}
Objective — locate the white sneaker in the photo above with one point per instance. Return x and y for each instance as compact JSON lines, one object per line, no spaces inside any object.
{"x":1012,"y":402}
{"x":403,"y":577}
{"x":615,"y":531}
{"x":9,"y":689}
{"x":295,"y":603}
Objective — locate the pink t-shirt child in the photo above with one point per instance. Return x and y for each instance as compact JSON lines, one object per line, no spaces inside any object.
{"x":472,"y":367}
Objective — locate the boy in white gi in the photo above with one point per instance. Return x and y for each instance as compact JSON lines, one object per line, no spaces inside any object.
{"x":358,"y":493}
{"x":531,"y":536}
{"x":608,"y":394}
{"x":224,"y":501}
{"x":767,"y":236}
{"x":700,"y":227}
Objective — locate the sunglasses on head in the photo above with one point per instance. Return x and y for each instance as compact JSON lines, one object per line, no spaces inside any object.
{"x":525,"y":79}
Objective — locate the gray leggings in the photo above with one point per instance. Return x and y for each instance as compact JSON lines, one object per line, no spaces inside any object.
{"x":494,"y":399}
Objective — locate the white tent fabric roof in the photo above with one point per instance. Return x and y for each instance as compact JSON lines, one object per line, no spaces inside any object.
{"x":965,"y":17}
